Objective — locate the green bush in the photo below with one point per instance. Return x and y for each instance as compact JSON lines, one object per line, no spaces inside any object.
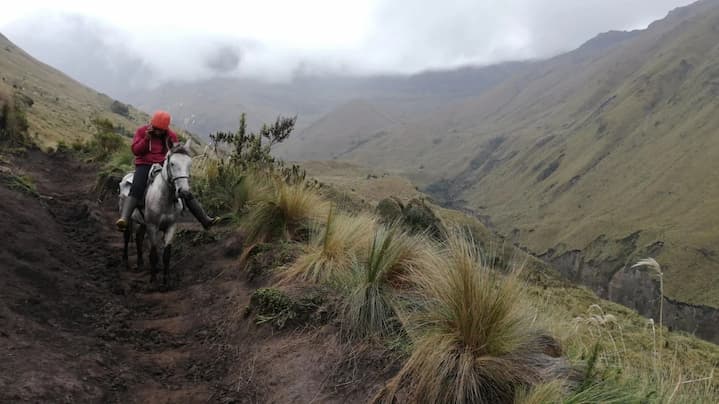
{"x":13,"y":122}
{"x":105,"y":142}
{"x":111,"y":173}
{"x":272,"y":306}
{"x":120,"y":108}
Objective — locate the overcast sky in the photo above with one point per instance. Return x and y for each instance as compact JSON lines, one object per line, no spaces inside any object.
{"x":274,"y":38}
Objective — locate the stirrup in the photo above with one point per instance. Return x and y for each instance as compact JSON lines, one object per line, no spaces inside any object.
{"x":121,"y":224}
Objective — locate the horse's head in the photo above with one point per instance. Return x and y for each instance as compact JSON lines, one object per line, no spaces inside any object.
{"x":179,"y":164}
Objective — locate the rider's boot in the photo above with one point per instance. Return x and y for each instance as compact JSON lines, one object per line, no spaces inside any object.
{"x":194,"y":206}
{"x":127,"y":208}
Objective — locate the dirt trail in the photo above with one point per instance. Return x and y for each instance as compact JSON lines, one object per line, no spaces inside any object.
{"x":75,"y":326}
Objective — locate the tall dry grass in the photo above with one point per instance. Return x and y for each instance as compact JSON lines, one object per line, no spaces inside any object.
{"x":636,"y":362}
{"x":369,"y":307}
{"x":333,"y":247}
{"x":282,"y":211}
{"x":473,"y":338}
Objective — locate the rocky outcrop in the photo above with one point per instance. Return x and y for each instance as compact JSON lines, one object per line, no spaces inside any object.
{"x":416,"y":216}
{"x":637,"y":288}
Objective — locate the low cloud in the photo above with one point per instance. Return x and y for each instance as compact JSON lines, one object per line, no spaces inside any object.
{"x":393,"y":36}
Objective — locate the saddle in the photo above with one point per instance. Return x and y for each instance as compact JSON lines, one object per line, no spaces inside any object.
{"x":126,"y":182}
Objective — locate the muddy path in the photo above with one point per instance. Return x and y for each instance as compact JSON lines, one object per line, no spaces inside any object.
{"x":76,"y":326}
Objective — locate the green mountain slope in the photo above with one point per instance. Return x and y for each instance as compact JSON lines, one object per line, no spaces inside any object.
{"x":58,"y":107}
{"x":588,"y":148}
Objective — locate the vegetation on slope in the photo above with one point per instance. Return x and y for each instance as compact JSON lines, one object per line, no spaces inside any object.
{"x":494,"y":334}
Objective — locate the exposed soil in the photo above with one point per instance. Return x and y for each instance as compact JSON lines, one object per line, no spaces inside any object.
{"x":76,"y":326}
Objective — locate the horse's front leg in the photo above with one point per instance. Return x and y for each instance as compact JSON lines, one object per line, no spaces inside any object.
{"x":127,"y":235}
{"x":155,"y":244}
{"x":139,"y":240}
{"x":167,"y":251}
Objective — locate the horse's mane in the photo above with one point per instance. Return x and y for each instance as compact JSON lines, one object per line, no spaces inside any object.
{"x":180,"y":149}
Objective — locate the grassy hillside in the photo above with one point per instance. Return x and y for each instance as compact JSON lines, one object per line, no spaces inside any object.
{"x":375,"y":279}
{"x":57,"y":107}
{"x":588,"y":148}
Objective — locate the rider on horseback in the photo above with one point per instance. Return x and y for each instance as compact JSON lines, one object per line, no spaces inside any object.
{"x":150,"y":145}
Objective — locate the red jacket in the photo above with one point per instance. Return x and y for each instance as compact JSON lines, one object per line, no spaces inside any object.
{"x":150,"y":150}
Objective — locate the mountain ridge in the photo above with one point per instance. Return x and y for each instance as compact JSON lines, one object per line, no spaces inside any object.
{"x":597,"y":143}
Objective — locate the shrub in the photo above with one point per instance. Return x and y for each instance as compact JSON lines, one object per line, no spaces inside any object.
{"x":332,"y":247}
{"x":105,"y":142}
{"x":368,"y":306}
{"x":248,"y":149}
{"x":111,"y":173}
{"x":13,"y":122}
{"x":415,"y":216}
{"x":282,"y":212}
{"x":120,"y":108}
{"x":272,"y":306}
{"x":473,"y":339}
{"x":223,"y":188}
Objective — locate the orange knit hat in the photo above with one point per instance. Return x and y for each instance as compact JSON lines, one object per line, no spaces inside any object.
{"x":161,"y":120}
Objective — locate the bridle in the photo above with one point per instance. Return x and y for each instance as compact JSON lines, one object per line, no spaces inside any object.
{"x":168,"y":177}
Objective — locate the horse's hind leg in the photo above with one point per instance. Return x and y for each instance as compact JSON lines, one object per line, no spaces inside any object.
{"x":139,"y":240}
{"x":153,"y":263}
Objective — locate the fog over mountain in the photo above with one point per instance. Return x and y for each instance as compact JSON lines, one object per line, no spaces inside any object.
{"x":117,"y":48}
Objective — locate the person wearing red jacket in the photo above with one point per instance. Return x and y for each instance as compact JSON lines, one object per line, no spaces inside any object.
{"x":150,"y":145}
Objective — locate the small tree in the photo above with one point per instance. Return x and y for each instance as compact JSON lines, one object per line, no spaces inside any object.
{"x":248,"y":148}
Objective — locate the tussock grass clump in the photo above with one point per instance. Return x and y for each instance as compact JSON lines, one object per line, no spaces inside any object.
{"x":474,"y":341}
{"x":552,"y":392}
{"x":332,"y":248}
{"x":368,"y":307}
{"x":283,"y":211}
{"x":229,"y":188}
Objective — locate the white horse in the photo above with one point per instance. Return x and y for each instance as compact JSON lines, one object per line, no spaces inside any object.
{"x":167,"y":186}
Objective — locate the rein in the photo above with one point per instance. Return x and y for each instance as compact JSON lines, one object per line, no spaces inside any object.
{"x":168,"y":177}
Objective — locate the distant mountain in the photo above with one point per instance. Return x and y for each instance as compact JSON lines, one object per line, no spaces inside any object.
{"x":211,"y":98}
{"x":215,"y":104}
{"x":593,"y":158}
